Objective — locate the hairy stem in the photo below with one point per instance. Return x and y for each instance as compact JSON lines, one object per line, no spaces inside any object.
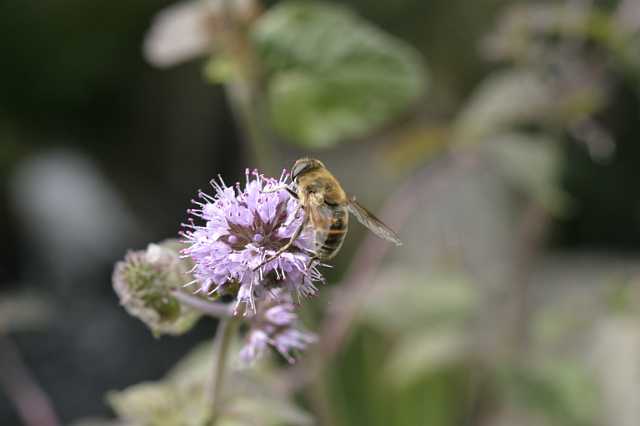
{"x":245,"y":92}
{"x":212,"y":309}
{"x":246,"y":108}
{"x":531,"y":235}
{"x":221,"y":344}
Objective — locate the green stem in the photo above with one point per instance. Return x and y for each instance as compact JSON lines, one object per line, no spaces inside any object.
{"x":246,"y":106}
{"x":221,"y":344}
{"x":244,"y":91}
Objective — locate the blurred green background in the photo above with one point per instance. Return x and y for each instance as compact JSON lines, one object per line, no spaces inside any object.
{"x":499,"y":137}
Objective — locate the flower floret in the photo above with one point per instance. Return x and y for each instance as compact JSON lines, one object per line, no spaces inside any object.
{"x":243,"y":227}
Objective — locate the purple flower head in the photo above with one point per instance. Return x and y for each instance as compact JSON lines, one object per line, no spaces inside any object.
{"x":275,"y":323}
{"x":243,"y":227}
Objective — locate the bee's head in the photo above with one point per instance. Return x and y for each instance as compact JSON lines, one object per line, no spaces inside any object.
{"x":305,"y":165}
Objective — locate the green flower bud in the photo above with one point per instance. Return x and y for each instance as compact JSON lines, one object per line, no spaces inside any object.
{"x":143,"y":282}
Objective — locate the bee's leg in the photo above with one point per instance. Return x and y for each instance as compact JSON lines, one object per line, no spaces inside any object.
{"x":291,"y":192}
{"x":276,"y":188}
{"x":289,"y":243}
{"x":312,"y":261}
{"x":280,"y":188}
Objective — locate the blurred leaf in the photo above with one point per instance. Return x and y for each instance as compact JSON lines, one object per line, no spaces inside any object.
{"x":578,"y":290}
{"x":529,"y":32}
{"x":411,"y":302}
{"x":179,"y":33}
{"x":332,"y":75}
{"x":179,"y":399}
{"x":557,"y":324}
{"x":158,"y":404}
{"x":426,"y":317}
{"x":560,"y":391}
{"x":522,"y":97}
{"x":220,"y":69}
{"x":418,"y":354}
{"x":193,"y":366}
{"x":362,"y":395}
{"x":414,"y":146}
{"x":504,"y":100}
{"x":246,"y":411}
{"x":24,"y":311}
{"x":532,"y":164}
{"x":98,"y":422}
{"x":613,"y":353}
{"x":623,"y":296}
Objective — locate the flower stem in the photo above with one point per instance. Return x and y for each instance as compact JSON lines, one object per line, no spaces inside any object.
{"x":246,"y":106}
{"x":212,"y":309}
{"x":221,"y":344}
{"x":245,"y":91}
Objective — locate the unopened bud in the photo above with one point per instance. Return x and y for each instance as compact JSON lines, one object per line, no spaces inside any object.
{"x":143,"y":282}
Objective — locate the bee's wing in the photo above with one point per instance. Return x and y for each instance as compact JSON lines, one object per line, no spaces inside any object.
{"x":376,"y":226}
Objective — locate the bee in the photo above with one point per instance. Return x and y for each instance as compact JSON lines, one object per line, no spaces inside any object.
{"x":326,"y":209}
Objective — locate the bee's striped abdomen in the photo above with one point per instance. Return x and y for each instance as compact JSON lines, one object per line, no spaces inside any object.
{"x":329,"y":243}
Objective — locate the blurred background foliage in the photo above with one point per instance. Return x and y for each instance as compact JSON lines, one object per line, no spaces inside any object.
{"x":499,"y":137}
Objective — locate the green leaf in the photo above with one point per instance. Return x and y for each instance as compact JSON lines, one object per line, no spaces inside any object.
{"x":533,"y":165}
{"x":96,"y":421}
{"x":331,"y":75}
{"x":220,"y":68}
{"x":418,"y":354}
{"x":158,"y":404}
{"x":426,"y":317}
{"x":530,"y":32}
{"x":519,"y":97}
{"x":362,"y":391}
{"x":562,"y":392}
{"x":252,"y":396}
{"x":503,"y":101}
{"x":271,"y":412}
{"x":413,"y":302}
